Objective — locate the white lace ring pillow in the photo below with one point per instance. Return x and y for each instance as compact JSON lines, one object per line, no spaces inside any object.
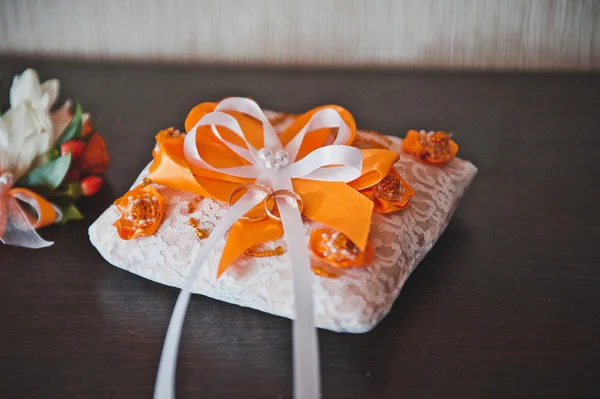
{"x":354,"y":302}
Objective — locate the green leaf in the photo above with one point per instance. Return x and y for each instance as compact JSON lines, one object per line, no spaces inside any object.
{"x":73,"y":190}
{"x":70,"y":212}
{"x":53,"y":154}
{"x":50,"y":175}
{"x":73,"y":129}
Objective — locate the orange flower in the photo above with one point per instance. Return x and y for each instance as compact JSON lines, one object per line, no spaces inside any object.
{"x":332,"y":250}
{"x":87,"y":127}
{"x":141,"y":210}
{"x":94,"y":159}
{"x":432,"y":147}
{"x":391,"y":194}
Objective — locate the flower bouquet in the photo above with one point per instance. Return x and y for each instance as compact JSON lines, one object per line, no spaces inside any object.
{"x":48,"y":161}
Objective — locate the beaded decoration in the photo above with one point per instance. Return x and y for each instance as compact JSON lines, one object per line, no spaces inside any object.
{"x":333,"y":250}
{"x":390,"y":188}
{"x":432,"y":147}
{"x":437,"y":144}
{"x":141,"y":210}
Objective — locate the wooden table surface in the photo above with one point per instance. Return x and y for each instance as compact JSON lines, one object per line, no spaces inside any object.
{"x":507,"y":304}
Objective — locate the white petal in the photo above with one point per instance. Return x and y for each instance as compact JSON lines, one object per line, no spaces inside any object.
{"x":27,"y":129}
{"x":27,"y":138}
{"x":20,"y":150}
{"x":3,"y":135}
{"x":4,"y":145}
{"x":43,"y":115}
{"x":25,"y":87}
{"x":28,"y":152}
{"x":52,"y":87}
{"x":8,"y":158}
{"x":60,"y":119}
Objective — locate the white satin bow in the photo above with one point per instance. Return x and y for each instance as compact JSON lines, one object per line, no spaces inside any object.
{"x":273,"y":166}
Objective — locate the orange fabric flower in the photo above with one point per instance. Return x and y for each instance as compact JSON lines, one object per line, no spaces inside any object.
{"x":432,"y":147}
{"x":141,"y":210}
{"x":95,"y":158}
{"x":321,"y":199}
{"x":391,"y":194}
{"x":334,"y":248}
{"x":332,"y":251}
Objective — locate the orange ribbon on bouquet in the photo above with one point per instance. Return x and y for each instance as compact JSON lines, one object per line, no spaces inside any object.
{"x":17,"y":226}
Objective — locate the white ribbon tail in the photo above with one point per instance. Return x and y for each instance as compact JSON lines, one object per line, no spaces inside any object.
{"x":307,"y":375}
{"x":165,"y":380}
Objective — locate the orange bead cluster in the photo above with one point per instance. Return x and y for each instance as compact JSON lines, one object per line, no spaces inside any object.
{"x":391,"y":194}
{"x":336,"y":247}
{"x":164,"y":134}
{"x":201,"y":233}
{"x":169,"y":133}
{"x":437,"y":144}
{"x":324,"y":271}
{"x":142,"y":209}
{"x":263,"y":254}
{"x":390,"y":188}
{"x":332,"y":251}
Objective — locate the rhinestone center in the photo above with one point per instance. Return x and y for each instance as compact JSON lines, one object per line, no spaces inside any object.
{"x":437,"y":144}
{"x":142,"y":211}
{"x":390,"y":188}
{"x":337,"y":247}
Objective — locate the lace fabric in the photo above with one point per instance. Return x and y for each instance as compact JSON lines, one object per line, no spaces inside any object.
{"x":353,"y":303}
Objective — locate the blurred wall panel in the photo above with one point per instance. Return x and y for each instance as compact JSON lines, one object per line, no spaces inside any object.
{"x":499,"y":34}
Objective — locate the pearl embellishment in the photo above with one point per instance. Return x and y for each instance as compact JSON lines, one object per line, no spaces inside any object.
{"x":271,"y":161}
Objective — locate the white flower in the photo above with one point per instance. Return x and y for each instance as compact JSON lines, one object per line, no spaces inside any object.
{"x":28,"y":130}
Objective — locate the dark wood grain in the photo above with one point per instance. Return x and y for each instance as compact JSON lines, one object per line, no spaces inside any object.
{"x":507,"y":304}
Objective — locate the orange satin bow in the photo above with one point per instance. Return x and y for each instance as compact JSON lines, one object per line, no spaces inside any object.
{"x":338,"y":205}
